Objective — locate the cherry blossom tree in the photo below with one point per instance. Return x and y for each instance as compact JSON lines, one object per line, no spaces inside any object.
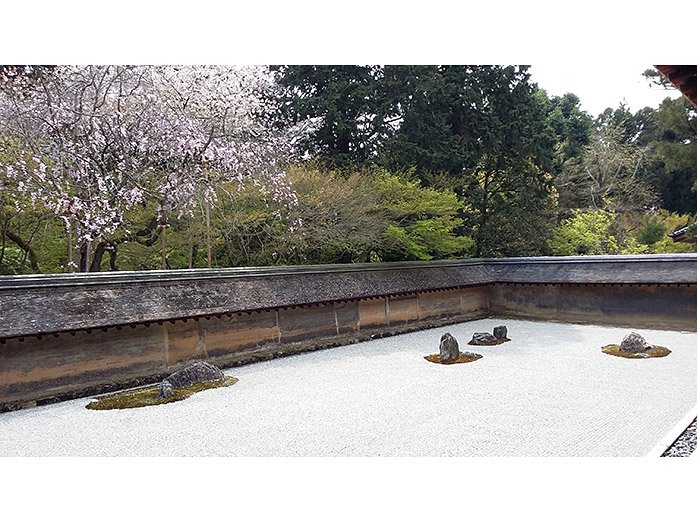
{"x":92,"y":142}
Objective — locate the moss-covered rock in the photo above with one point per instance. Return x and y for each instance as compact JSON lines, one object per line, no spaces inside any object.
{"x":465,"y":357}
{"x":149,"y":396}
{"x":654,"y":352}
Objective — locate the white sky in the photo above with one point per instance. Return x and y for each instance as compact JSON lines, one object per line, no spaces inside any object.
{"x":600,"y":86}
{"x":596,"y":51}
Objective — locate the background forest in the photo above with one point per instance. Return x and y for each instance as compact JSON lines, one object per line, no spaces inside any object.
{"x":133,"y":168}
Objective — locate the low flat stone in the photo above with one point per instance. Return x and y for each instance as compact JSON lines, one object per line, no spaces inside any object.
{"x":199,"y":372}
{"x":635,"y":343}
{"x":483,"y":338}
{"x":449,"y":348}
{"x":500,"y":332}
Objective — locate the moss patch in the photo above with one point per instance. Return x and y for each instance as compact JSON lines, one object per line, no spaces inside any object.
{"x":464,"y":358}
{"x":148,"y":396}
{"x":497,"y":342}
{"x":655,"y":352}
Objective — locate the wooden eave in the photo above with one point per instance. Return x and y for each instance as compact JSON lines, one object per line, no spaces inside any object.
{"x":684,"y":77}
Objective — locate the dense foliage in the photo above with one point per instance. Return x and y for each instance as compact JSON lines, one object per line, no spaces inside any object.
{"x":120,"y":167}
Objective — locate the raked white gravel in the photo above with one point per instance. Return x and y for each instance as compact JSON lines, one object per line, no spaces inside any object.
{"x":548,"y":392}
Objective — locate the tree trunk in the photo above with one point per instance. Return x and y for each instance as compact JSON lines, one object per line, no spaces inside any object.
{"x":191,"y":244}
{"x":88,"y":255}
{"x":85,"y":251}
{"x":483,"y":218}
{"x":71,"y":258}
{"x":112,"y":258}
{"x":2,"y":249}
{"x":29,"y":252}
{"x":82,"y":267}
{"x":96,"y":264}
{"x":208,"y":234}
{"x":163,"y":238}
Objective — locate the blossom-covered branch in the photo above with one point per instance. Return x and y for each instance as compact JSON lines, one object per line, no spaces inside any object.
{"x":95,"y":141}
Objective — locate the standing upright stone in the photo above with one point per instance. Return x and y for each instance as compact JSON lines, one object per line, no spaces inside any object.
{"x":449,"y":348}
{"x":164,"y":389}
{"x":500,"y":332}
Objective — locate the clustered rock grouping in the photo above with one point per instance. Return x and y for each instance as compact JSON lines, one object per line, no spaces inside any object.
{"x":484,"y":338}
{"x":633,"y":346}
{"x":449,"y":350}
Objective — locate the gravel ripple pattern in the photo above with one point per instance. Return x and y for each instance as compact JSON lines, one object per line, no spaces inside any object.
{"x":550,"y":391}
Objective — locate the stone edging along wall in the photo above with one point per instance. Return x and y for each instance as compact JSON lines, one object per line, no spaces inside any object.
{"x":70,"y":335}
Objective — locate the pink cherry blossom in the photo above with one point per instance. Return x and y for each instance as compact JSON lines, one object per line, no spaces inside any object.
{"x":98,"y":140}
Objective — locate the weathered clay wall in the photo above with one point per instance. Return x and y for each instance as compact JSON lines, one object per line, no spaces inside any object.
{"x":57,"y":303}
{"x":41,"y":304}
{"x":43,"y":368}
{"x":672,"y":306}
{"x":70,"y":335}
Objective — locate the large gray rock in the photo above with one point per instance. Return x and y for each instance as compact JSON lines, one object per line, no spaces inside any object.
{"x":500,"y":332}
{"x":199,"y":372}
{"x":635,"y":343}
{"x":482,"y":338}
{"x":449,"y":348}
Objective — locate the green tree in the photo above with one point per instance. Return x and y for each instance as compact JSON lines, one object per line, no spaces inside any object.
{"x":336,"y":220}
{"x":668,"y":222}
{"x":585,"y":233}
{"x":455,"y":116}
{"x":487,"y":128}
{"x":339,"y":219}
{"x":609,"y":175}
{"x":422,"y":220}
{"x":627,"y":127}
{"x":652,"y":232}
{"x":672,"y":153}
{"x":511,"y":211}
{"x":437,"y":130}
{"x":572,"y":127}
{"x":30,"y":241}
{"x":346,"y":106}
